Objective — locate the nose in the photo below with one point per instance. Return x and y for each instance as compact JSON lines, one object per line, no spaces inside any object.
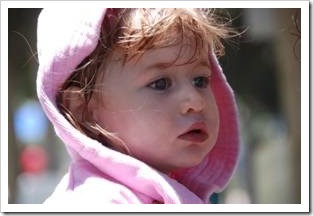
{"x":193,"y":100}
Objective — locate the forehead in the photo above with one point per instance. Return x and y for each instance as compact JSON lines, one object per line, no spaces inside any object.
{"x":185,"y":53}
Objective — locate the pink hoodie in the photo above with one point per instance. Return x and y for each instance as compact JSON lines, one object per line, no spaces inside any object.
{"x":99,"y":175}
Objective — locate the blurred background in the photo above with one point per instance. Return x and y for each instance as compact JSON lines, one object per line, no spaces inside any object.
{"x":262,"y":66}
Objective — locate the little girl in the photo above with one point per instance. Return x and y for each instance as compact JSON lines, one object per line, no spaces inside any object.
{"x":140,"y":101}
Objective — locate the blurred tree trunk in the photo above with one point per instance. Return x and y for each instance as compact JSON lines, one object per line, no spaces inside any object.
{"x":12,"y":147}
{"x":21,"y":75}
{"x":12,"y":142}
{"x":289,"y":73}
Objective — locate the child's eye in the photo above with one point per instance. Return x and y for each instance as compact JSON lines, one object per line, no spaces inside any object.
{"x":161,"y":84}
{"x":201,"y":82}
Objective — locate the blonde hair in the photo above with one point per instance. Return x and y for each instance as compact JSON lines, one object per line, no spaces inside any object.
{"x":133,"y":32}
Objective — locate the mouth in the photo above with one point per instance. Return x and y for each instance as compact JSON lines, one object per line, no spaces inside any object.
{"x":197,"y":133}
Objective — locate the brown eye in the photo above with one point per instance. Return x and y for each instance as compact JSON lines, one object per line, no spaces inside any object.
{"x":161,"y":84}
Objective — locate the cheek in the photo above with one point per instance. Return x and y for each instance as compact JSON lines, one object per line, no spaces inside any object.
{"x":214,"y":113}
{"x":213,"y":117}
{"x":147,"y":123}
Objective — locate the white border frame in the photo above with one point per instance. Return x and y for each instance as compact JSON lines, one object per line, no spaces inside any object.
{"x":305,"y":133}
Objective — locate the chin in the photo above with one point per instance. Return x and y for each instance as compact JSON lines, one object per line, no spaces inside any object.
{"x":191,"y":163}
{"x":183,"y":165}
{"x":196,"y":157}
{"x":195,"y":163}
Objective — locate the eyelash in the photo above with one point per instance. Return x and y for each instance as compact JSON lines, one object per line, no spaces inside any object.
{"x":163,"y":84}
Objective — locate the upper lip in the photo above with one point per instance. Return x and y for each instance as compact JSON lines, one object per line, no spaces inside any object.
{"x":196,"y":126}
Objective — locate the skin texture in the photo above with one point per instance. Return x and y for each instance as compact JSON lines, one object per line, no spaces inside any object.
{"x":149,"y":102}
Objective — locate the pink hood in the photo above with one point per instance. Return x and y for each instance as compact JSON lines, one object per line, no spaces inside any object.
{"x":65,"y":38}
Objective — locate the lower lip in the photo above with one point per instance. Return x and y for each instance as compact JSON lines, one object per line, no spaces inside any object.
{"x":194,"y":137}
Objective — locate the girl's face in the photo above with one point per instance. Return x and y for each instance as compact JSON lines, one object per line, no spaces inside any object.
{"x":166,"y":114}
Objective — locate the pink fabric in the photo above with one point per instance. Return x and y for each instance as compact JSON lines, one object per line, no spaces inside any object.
{"x":65,"y":38}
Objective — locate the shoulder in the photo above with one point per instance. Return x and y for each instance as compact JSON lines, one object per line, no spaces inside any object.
{"x":91,"y":188}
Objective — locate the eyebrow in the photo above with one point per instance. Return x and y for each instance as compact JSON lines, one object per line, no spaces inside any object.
{"x":160,"y":65}
{"x":163,"y":65}
{"x":205,"y":64}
